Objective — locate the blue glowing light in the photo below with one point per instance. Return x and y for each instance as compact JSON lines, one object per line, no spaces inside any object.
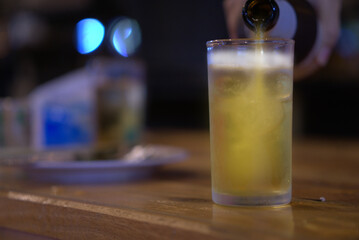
{"x":90,"y":33}
{"x":348,"y":44}
{"x":126,"y":36}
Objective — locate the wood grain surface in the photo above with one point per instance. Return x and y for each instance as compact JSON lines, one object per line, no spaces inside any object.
{"x":176,"y":202}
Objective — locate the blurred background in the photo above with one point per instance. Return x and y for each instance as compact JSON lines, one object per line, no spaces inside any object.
{"x":39,"y":41}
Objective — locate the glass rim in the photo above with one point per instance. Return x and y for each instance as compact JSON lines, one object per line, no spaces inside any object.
{"x":248,"y":41}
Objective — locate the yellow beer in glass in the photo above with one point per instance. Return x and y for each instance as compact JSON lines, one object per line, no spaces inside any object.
{"x":250,"y":98}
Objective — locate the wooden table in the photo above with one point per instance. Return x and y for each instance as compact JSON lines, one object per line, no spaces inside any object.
{"x":176,"y":202}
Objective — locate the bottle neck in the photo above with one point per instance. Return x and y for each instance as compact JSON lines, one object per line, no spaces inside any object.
{"x":260,"y":15}
{"x":297,"y":20}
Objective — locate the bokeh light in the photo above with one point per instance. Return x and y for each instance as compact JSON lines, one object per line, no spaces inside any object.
{"x":125,"y":36}
{"x":90,"y":33}
{"x":348,"y":45}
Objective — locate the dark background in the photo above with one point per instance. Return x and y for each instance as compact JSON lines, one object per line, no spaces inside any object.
{"x":174,"y":34}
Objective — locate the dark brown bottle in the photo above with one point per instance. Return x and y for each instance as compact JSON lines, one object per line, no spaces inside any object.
{"x":260,"y":15}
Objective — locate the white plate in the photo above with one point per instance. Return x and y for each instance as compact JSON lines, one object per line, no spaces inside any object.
{"x":59,"y":167}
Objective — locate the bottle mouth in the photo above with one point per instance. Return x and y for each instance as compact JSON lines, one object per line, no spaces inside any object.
{"x":260,"y":15}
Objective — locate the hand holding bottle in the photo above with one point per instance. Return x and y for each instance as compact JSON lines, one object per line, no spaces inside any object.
{"x":327,"y":24}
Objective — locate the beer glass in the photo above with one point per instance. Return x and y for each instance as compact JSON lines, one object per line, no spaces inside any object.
{"x":250,"y":99}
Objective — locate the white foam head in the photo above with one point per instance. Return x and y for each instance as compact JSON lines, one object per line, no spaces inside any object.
{"x":249,"y":59}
